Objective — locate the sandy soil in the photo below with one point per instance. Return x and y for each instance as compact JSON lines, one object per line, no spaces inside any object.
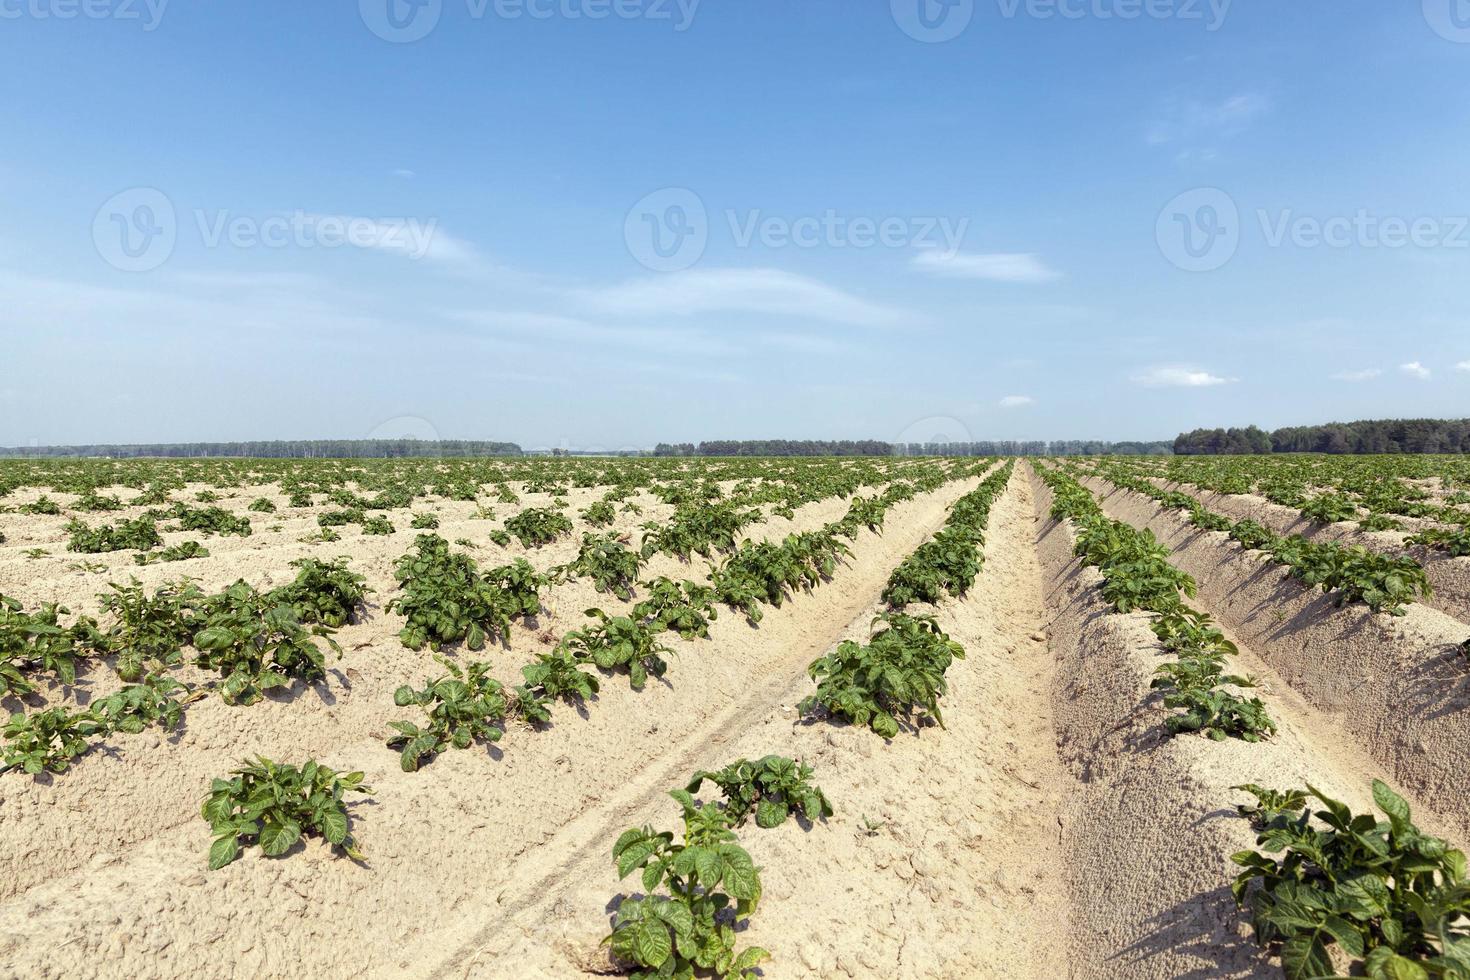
{"x":1049,"y":831}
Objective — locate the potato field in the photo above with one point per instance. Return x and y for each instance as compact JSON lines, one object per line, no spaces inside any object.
{"x":1107,"y":717}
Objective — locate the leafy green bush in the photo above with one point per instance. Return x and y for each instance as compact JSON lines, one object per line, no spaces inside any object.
{"x":377,"y":525}
{"x":325,"y":592}
{"x":262,"y":505}
{"x":275,"y":805}
{"x":425,"y":522}
{"x":619,"y":642}
{"x":1392,"y":899}
{"x":148,"y":632}
{"x":183,"y":551}
{"x":140,"y":533}
{"x":689,"y":930}
{"x":137,"y":706}
{"x":31,"y":642}
{"x":599,"y":514}
{"x":257,"y":643}
{"x":466,"y":706}
{"x":446,"y":599}
{"x":896,"y":679}
{"x":537,"y":526}
{"x":773,"y":787}
{"x":210,"y":520}
{"x":683,"y":607}
{"x":611,"y":564}
{"x":47,"y":741}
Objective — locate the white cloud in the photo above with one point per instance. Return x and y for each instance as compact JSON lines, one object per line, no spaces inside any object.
{"x":1175,"y":376}
{"x":1463,"y":366}
{"x":535,"y":328}
{"x":1416,"y":370}
{"x":998,"y":267}
{"x":772,"y":292}
{"x":1190,"y":119}
{"x":1017,"y":401}
{"x":1365,"y":375}
{"x":404,"y":173}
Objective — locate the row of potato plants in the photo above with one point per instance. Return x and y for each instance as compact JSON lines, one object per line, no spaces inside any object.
{"x":1386,"y":584}
{"x":447,"y":599}
{"x":1323,"y":886}
{"x":895,"y":680}
{"x":1138,"y":577}
{"x":255,"y":641}
{"x":1346,"y":489}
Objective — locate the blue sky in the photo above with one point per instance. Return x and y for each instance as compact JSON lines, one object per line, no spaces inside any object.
{"x":605,"y":223}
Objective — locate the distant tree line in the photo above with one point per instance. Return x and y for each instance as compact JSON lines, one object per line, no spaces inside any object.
{"x":1338,"y":438}
{"x":786,"y":447}
{"x":286,"y":449}
{"x":776,"y":447}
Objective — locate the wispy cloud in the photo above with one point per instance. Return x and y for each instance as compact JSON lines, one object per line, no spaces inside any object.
{"x":1463,"y":366}
{"x":1368,"y":374}
{"x":1199,"y":124}
{"x":1416,"y":370}
{"x":1024,"y":267}
{"x":771,"y":292}
{"x":1178,"y":376}
{"x":1017,"y":401}
{"x":538,"y":328}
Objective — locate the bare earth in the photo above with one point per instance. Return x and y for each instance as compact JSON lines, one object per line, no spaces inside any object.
{"x":1048,"y":831}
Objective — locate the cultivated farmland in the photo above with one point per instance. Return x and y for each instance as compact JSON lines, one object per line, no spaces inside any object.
{"x":1101,"y":718}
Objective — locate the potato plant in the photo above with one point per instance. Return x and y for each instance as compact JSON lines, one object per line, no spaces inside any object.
{"x":1386,"y":896}
{"x":447,"y":599}
{"x":141,"y":534}
{"x":466,"y":706}
{"x":537,"y":526}
{"x":709,"y":878}
{"x":47,"y":741}
{"x":684,"y":607}
{"x":895,"y":680}
{"x":275,"y":805}
{"x":611,"y":564}
{"x":31,"y":642}
{"x":257,"y":643}
{"x":153,"y":701}
{"x":773,"y":787}
{"x":183,"y":551}
{"x":615,"y":642}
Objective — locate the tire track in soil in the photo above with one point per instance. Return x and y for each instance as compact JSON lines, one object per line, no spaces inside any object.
{"x":958,"y":880}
